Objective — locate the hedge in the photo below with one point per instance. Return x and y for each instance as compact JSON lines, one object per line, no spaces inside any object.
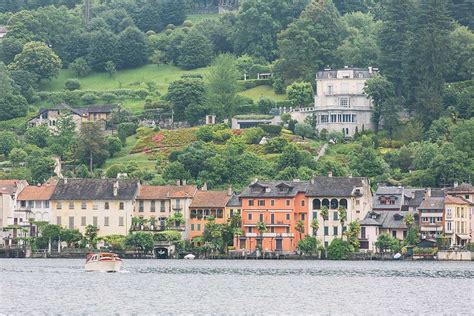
{"x":252,"y":83}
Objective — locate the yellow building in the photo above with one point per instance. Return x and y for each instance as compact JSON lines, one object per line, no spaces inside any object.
{"x":107,"y":204}
{"x":458,"y":221}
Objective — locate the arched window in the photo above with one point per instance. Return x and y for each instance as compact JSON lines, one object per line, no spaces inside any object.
{"x":326,"y":202}
{"x":343,"y":203}
{"x":334,"y":204}
{"x":316,"y":204}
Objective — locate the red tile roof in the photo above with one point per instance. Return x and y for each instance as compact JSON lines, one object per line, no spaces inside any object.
{"x":164,"y":192}
{"x":9,"y":186}
{"x":37,"y":193}
{"x":455,"y":200}
{"x":210,"y":199}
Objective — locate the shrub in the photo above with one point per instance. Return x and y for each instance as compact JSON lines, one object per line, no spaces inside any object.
{"x":252,"y":83}
{"x":253,"y":135}
{"x":256,"y":69}
{"x":126,"y":129}
{"x":188,"y":23}
{"x":108,"y":97}
{"x":205,"y":133}
{"x":72,"y":84}
{"x":270,"y":129}
{"x":170,"y":27}
{"x":89,"y":98}
{"x":284,"y":104}
{"x":340,"y":250}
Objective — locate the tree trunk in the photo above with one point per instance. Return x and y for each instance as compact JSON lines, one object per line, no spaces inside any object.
{"x":90,"y":161}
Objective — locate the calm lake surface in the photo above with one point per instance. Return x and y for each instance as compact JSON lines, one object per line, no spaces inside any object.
{"x":60,"y":286}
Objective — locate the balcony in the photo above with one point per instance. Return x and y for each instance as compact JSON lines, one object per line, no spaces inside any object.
{"x":271,"y":235}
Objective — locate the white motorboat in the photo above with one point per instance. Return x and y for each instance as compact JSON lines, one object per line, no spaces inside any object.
{"x":189,"y":256}
{"x":103,"y":262}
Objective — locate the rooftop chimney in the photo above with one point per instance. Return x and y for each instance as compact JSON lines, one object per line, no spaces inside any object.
{"x":65,"y":180}
{"x":204,"y":187}
{"x":116,"y":187}
{"x":370,"y":69}
{"x":184,"y":182}
{"x":350,"y":175}
{"x":311,"y":181}
{"x":428,"y":192}
{"x":455,"y":184}
{"x":229,"y":190}
{"x":178,"y":182}
{"x":330,"y":174}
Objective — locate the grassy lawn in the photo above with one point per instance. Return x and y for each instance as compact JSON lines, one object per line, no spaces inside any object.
{"x":125,"y":79}
{"x":263,"y":91}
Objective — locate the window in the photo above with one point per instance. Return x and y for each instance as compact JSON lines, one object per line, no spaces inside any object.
{"x":162,"y":206}
{"x":178,"y":203}
{"x":38,"y":204}
{"x":83,"y":205}
{"x":199,"y":227}
{"x":339,"y":118}
{"x":302,"y":202}
{"x":324,"y":118}
{"x":250,"y":216}
{"x":466,"y":196}
{"x":71,"y":205}
{"x":272,"y":202}
{"x":95,"y":206}
{"x":250,"y":202}
{"x":326,"y":230}
{"x":23,"y":203}
{"x":272,"y":218}
{"x":315,"y":215}
{"x":58,"y":220}
{"x":336,"y":216}
{"x":106,"y":205}
{"x":362,"y":233}
{"x":405,"y":234}
{"x":71,"y":222}
{"x":357,"y":202}
{"x":261,"y":202}
{"x":31,"y":204}
{"x":140,"y":206}
{"x":335,"y":230}
{"x":344,"y":102}
{"x":121,"y":221}
{"x":333,"y":118}
{"x":448,"y":213}
{"x":46,"y":204}
{"x":250,"y":230}
{"x":394,"y":233}
{"x":121,"y":206}
{"x":192,"y":227}
{"x":152,"y":206}
{"x":106,"y":221}
{"x":354,"y":120}
{"x":330,"y":89}
{"x":287,"y":202}
{"x":83,"y":221}
{"x":288,"y":217}
{"x":260,"y":216}
{"x":95,"y":221}
{"x":303,"y":216}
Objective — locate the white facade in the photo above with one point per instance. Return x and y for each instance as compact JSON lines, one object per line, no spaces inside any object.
{"x":340,"y":103}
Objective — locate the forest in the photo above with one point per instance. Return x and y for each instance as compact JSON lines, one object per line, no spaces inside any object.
{"x":423,"y":95}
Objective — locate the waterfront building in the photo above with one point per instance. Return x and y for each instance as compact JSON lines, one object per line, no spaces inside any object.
{"x":234,"y":206}
{"x":279,"y":205}
{"x":161,"y":202}
{"x":457,"y":220}
{"x":340,"y":104}
{"x":376,"y":223}
{"x":431,"y":212}
{"x":34,"y":204}
{"x":206,"y":205}
{"x":352,"y":193}
{"x":107,"y":204}
{"x":9,"y":224}
{"x":400,"y":199}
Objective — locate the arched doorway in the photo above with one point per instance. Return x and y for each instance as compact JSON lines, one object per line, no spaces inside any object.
{"x":161,"y":253}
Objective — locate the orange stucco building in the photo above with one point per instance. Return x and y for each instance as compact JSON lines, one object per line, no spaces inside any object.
{"x":279,"y":205}
{"x":207,"y":204}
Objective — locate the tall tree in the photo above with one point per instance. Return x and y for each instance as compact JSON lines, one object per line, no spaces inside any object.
{"x":222,"y":86}
{"x":429,"y":60}
{"x":310,"y":43}
{"x":91,"y":147}
{"x":382,"y":93}
{"x":39,"y":59}
{"x":102,"y":48}
{"x":195,"y":51}
{"x":184,"y":93}
{"x":132,"y":48}
{"x":394,"y":40}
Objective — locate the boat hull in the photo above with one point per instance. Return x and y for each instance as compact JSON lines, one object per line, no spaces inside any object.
{"x":104,"y":266}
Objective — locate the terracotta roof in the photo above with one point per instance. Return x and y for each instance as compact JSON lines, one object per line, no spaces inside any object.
{"x":9,"y":186}
{"x":36,"y":193}
{"x":210,"y":199}
{"x":462,"y":188}
{"x":432,"y":203}
{"x":455,"y":200}
{"x":164,"y":192}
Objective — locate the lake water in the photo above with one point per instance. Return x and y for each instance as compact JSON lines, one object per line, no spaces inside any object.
{"x":60,"y":286}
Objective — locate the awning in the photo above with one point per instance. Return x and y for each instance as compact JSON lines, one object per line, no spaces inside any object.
{"x":466,"y":237}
